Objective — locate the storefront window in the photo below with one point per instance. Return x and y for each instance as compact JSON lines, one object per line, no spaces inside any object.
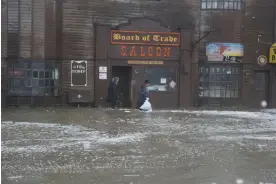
{"x":161,"y":79}
{"x":220,"y":82}
{"x":32,"y":78}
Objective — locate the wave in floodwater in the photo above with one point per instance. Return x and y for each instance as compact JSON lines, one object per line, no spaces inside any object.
{"x":267,"y":114}
{"x":223,"y":126}
{"x":45,"y":137}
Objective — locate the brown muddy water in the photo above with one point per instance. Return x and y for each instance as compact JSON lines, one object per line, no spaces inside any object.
{"x":103,"y":146}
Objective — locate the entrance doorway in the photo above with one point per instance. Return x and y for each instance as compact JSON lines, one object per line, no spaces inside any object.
{"x":262,"y":86}
{"x":124,"y":86}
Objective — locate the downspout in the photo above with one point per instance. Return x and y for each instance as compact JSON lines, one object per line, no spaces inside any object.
{"x":95,"y":65}
{"x":274,"y":22}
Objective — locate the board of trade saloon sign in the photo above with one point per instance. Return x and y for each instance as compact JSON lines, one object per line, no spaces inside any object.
{"x":144,"y":51}
{"x":120,"y":37}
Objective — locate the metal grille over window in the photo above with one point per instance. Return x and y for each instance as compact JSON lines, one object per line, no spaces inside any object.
{"x":33,"y":78}
{"x":231,"y":5}
{"x":220,"y":82}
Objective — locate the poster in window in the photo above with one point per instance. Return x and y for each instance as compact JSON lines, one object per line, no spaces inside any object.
{"x":78,"y":73}
{"x":163,"y":80}
{"x":225,"y":52}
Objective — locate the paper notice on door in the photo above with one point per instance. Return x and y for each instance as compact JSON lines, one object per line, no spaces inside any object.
{"x":172,"y":84}
{"x":163,"y":80}
{"x":102,"y":76}
{"x":161,"y":88}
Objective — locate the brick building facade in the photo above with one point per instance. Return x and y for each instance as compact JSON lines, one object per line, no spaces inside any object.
{"x":44,"y":42}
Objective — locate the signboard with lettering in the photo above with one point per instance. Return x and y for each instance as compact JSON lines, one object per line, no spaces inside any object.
{"x":272,"y":54}
{"x":78,"y":73}
{"x":225,"y":52}
{"x":145,"y":38}
{"x":139,"y":62}
{"x":144,"y":52}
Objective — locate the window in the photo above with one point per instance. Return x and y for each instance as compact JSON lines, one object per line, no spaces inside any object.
{"x":222,"y":5}
{"x":220,"y":82}
{"x":161,"y":79}
{"x":41,"y":74}
{"x":28,"y":78}
{"x":35,"y":74}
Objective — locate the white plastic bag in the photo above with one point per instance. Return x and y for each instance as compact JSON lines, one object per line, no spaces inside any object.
{"x":146,"y":106}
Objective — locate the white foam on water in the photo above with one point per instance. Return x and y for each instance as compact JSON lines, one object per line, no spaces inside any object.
{"x":265,"y":115}
{"x":15,"y":177}
{"x":239,"y":181}
{"x":248,"y":137}
{"x":122,"y":138}
{"x":50,"y":137}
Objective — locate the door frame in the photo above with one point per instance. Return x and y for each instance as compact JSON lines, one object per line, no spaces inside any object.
{"x":267,"y":84}
{"x":130,"y":102}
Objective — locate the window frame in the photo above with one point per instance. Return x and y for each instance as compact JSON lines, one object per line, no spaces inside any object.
{"x":228,"y":85}
{"x":171,"y":75}
{"x":223,"y":5}
{"x":30,"y":79}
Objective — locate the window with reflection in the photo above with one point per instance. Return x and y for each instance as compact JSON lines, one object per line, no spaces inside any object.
{"x":33,"y":78}
{"x":223,"y":5}
{"x":161,"y":79}
{"x":220,"y":81}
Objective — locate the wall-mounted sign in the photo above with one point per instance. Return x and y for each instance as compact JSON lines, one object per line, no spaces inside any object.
{"x":272,"y":54}
{"x":102,"y":69}
{"x":78,"y":73}
{"x":224,"y":52}
{"x":103,"y":76}
{"x":145,"y":38}
{"x":262,"y":60}
{"x":145,"y":51}
{"x":139,"y":62}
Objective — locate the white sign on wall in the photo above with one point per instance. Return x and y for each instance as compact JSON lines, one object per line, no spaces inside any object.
{"x":102,"y":76}
{"x":103,"y":69}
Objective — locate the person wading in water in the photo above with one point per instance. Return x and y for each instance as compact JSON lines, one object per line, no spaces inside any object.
{"x":112,"y":92}
{"x":144,"y":93}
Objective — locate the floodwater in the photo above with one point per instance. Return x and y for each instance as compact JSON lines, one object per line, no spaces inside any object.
{"x":101,"y":146}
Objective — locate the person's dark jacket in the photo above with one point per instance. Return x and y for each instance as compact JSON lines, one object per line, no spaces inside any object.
{"x":112,"y":92}
{"x":144,"y":94}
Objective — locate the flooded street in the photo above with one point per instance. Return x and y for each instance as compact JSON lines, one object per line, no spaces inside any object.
{"x":74,"y":146}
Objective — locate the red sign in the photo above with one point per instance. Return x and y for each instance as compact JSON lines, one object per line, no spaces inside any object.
{"x":144,"y":51}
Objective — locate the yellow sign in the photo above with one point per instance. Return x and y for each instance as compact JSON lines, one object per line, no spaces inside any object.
{"x":139,"y":62}
{"x":272,"y":54}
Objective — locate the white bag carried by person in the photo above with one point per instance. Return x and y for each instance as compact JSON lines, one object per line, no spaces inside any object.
{"x":146,"y":106}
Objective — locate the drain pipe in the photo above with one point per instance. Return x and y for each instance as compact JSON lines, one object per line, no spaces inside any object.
{"x":274,"y":22}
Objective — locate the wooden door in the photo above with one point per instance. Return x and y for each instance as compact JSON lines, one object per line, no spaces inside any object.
{"x":261,"y":87}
